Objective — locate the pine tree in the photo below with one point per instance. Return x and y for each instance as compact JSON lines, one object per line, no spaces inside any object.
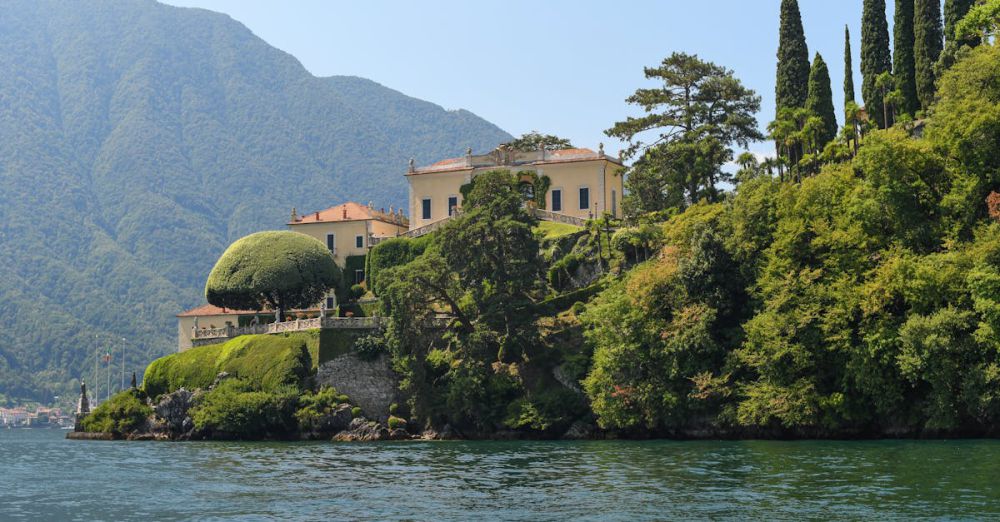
{"x":875,"y":58}
{"x":792,"y":86}
{"x":928,"y":43}
{"x":820,"y":101}
{"x":954,"y":11}
{"x":848,"y":68}
{"x":903,"y":65}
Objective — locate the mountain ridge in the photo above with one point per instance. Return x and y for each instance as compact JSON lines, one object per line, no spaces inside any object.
{"x":138,"y":139}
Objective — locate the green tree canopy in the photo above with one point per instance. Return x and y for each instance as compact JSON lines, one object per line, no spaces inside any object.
{"x":981,"y":22}
{"x":694,"y":118}
{"x":954,"y":11}
{"x":277,"y":269}
{"x":875,"y":58}
{"x":849,"y":95}
{"x":791,"y":88}
{"x":534,"y":140}
{"x":903,"y":65}
{"x":820,"y":101}
{"x":928,"y":43}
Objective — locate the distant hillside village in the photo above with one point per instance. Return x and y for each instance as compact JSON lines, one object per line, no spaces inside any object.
{"x":564,"y":185}
{"x":39,"y":417}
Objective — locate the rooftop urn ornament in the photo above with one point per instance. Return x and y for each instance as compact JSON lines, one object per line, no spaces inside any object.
{"x":412,"y":165}
{"x":468,"y":151}
{"x":600,"y":149}
{"x":295,"y":215}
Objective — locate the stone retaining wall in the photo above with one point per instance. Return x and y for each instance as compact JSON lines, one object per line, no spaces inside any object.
{"x":370,"y":384}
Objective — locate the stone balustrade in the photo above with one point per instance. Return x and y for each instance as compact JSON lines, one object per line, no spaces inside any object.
{"x":556,"y":217}
{"x":201,"y":336}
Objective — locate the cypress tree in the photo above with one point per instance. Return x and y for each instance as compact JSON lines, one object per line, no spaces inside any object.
{"x":820,"y":100}
{"x":903,"y":65}
{"x":848,"y":68}
{"x":875,"y":58}
{"x":928,"y":33}
{"x":954,"y":11}
{"x":792,"y":86}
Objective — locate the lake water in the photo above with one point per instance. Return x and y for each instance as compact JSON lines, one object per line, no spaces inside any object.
{"x":43,"y":476}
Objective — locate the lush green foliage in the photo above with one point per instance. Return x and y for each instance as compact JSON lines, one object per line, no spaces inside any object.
{"x":124,"y":413}
{"x":875,"y":58}
{"x":849,"y":95}
{"x":270,"y":362}
{"x":534,"y":140}
{"x":791,"y":87}
{"x":903,"y":64}
{"x":820,"y":101}
{"x":390,"y":253}
{"x":139,"y":140}
{"x":928,"y":35}
{"x":313,"y":407}
{"x":980,"y":23}
{"x":280,"y":269}
{"x":696,"y":116}
{"x":863,"y":300}
{"x":239,"y":410}
{"x":954,"y":11}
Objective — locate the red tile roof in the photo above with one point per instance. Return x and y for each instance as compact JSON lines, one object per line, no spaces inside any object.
{"x":207,"y":309}
{"x":349,"y":211}
{"x":551,"y":156}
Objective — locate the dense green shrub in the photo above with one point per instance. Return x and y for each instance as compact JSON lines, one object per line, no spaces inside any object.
{"x":123,"y":413}
{"x":396,"y":422}
{"x":355,"y":412}
{"x":638,"y":243}
{"x":370,"y":346}
{"x":390,"y":253}
{"x":313,"y":406}
{"x":357,"y":291}
{"x":564,"y":269}
{"x":268,"y":361}
{"x":237,"y":409}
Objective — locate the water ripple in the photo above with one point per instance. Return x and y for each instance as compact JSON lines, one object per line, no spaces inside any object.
{"x":45,"y":477}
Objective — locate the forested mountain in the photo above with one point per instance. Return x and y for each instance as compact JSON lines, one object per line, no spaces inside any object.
{"x":137,"y":140}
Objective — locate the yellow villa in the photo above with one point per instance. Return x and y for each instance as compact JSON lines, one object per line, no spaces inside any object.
{"x":349,"y":230}
{"x":582,"y":183}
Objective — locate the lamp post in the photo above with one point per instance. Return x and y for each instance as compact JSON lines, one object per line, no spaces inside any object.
{"x":124,"y":343}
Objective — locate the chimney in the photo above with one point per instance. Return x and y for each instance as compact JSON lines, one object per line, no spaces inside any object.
{"x":345,"y":211}
{"x":317,"y":215}
{"x":295,"y":215}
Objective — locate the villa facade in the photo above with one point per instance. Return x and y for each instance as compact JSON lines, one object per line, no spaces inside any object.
{"x":350,"y":229}
{"x":582,"y":183}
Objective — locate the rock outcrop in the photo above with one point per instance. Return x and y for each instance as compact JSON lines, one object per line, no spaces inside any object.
{"x":171,"y":415}
{"x":364,"y":430}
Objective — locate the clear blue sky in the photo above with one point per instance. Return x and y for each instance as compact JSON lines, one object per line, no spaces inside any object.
{"x":562,"y":67}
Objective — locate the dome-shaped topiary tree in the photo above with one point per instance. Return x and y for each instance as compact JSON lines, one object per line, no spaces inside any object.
{"x":282,"y":270}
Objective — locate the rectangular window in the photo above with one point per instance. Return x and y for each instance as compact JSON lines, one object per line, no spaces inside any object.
{"x":359,"y":276}
{"x":557,"y":200}
{"x":584,"y":198}
{"x":359,"y":241}
{"x":331,"y":303}
{"x":425,"y":208}
{"x":452,"y":205}
{"x":331,"y":242}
